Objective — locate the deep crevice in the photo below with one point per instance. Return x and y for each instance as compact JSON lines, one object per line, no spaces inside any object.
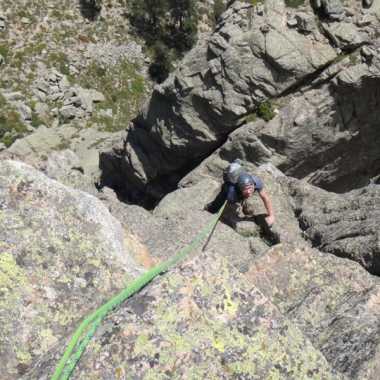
{"x":156,"y":189}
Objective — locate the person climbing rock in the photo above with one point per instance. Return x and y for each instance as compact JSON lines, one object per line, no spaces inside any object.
{"x":238,"y":186}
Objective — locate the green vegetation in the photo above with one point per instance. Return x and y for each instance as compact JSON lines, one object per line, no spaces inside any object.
{"x":354,"y":58}
{"x":4,"y":51}
{"x":90,"y":9}
{"x":36,"y":121}
{"x":11,"y":126}
{"x":64,"y":144}
{"x":60,"y":61}
{"x":22,"y":13}
{"x":169,"y":28}
{"x":294,"y":3}
{"x":123,"y":88}
{"x":251,"y":117}
{"x":255,"y":2}
{"x":265,"y":111}
{"x":32,"y":50}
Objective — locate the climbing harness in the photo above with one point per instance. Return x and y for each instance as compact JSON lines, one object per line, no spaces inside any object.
{"x":89,"y":325}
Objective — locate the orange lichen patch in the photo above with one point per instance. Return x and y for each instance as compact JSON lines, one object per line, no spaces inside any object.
{"x":138,"y":250}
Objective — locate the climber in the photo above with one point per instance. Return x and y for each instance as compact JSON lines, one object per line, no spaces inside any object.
{"x":238,"y":186}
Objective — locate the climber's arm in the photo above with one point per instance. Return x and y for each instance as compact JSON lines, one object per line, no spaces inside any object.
{"x":268,"y":205}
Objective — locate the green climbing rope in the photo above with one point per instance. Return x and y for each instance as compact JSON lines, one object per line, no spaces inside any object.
{"x":89,"y":325}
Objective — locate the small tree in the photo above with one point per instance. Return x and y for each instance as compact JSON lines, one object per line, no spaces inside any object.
{"x":169,"y":28}
{"x":183,"y":24}
{"x":148,"y":18}
{"x":90,"y":9}
{"x":162,"y":64}
{"x":219,"y":8}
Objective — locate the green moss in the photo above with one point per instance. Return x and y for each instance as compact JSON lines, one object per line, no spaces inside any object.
{"x":21,"y":56}
{"x":354,"y":58}
{"x":10,"y":273}
{"x":255,"y":2}
{"x":229,"y":305}
{"x":252,"y":117}
{"x":294,"y":3}
{"x":143,"y":345}
{"x":265,"y":111}
{"x":36,"y":121}
{"x":23,"y":357}
{"x":4,"y":51}
{"x":11,"y":126}
{"x":22,"y":13}
{"x":64,"y":144}
{"x":60,"y":61}
{"x":57,"y":13}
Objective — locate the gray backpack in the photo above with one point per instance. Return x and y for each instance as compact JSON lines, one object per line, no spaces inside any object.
{"x":232,"y":172}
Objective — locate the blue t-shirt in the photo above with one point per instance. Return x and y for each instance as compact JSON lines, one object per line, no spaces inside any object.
{"x":233,"y":193}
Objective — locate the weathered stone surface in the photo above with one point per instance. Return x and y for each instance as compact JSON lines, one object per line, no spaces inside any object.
{"x":65,"y":167}
{"x":346,"y":225}
{"x":333,"y":301}
{"x":61,"y":255}
{"x":201,"y":321}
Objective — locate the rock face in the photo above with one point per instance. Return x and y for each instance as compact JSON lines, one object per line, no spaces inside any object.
{"x":226,"y":312}
{"x":201,"y":321}
{"x":61,"y":255}
{"x":320,"y":134}
{"x":251,"y":56}
{"x":333,"y":301}
{"x":346,"y":225}
{"x":326,"y":106}
{"x":289,"y":87}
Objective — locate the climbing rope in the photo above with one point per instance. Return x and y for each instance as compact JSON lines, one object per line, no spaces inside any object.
{"x":89,"y":325}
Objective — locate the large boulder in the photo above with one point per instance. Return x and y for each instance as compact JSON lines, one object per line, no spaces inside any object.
{"x":61,"y":255}
{"x":335,"y":302}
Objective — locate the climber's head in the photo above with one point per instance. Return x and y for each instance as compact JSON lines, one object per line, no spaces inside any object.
{"x":246,"y":185}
